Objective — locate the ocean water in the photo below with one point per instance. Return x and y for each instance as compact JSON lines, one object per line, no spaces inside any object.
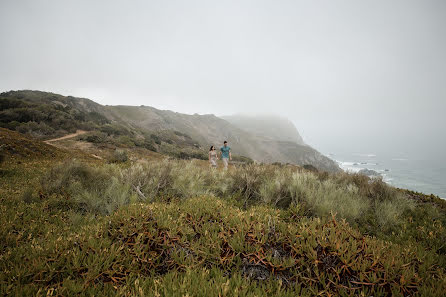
{"x":418,"y":174}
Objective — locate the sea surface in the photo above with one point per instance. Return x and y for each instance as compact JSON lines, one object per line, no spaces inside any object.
{"x":418,"y":174}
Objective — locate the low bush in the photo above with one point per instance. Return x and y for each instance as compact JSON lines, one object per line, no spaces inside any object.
{"x":119,"y":156}
{"x":113,"y":130}
{"x":35,"y":129}
{"x":95,"y":137}
{"x":155,"y":138}
{"x":310,"y":167}
{"x":146,"y":143}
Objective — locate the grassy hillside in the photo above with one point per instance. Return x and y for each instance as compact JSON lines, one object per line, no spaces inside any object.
{"x":260,"y":145}
{"x":46,"y":115}
{"x":153,"y":226}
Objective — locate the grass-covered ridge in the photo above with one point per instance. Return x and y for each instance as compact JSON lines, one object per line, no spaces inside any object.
{"x":75,"y":224}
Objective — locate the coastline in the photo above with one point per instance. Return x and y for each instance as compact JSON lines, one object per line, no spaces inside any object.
{"x":420,"y":176}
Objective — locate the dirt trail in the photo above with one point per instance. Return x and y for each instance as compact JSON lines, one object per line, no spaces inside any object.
{"x":78,"y":132}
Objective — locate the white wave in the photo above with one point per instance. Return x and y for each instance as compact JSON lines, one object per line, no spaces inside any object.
{"x":351,"y":167}
{"x":365,"y":155}
{"x":367,"y":164}
{"x":388,"y":180}
{"x":347,"y":163}
{"x":355,"y":167}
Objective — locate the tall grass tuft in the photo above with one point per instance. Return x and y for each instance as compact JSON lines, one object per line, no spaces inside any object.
{"x":84,"y":188}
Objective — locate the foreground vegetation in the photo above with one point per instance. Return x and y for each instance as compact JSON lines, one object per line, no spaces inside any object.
{"x":73,"y":224}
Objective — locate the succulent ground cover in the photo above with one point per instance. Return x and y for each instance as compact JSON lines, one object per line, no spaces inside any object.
{"x":145,"y":245}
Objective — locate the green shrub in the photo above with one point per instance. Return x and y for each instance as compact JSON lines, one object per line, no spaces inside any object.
{"x":125,"y":140}
{"x":310,"y":167}
{"x":35,"y":129}
{"x":146,"y":143}
{"x":94,"y":137}
{"x":46,"y":115}
{"x":156,"y":139}
{"x":119,"y":156}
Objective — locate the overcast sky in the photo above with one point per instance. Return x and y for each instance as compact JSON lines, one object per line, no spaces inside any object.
{"x":365,"y":76}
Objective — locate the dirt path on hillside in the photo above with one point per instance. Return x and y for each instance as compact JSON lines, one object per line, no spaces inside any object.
{"x":78,"y":132}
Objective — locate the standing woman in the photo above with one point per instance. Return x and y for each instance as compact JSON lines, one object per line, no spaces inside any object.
{"x":213,"y":157}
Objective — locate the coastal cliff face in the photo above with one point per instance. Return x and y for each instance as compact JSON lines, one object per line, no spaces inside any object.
{"x":278,"y":140}
{"x":267,"y":127}
{"x":265,"y":139}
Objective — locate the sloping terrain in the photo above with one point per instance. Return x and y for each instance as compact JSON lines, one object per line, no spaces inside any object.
{"x":159,"y":227}
{"x":15,"y":145}
{"x":211,"y":130}
{"x":48,"y":115}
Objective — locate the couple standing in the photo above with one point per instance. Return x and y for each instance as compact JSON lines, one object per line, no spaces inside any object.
{"x":225,"y":153}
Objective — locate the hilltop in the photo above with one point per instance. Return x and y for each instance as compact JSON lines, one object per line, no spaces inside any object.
{"x":47,"y":115}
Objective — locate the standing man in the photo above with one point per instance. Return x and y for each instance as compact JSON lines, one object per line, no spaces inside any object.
{"x":225,"y":152}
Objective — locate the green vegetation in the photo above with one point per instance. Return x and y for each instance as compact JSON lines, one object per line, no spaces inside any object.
{"x":45,"y":115}
{"x":183,"y":246}
{"x":174,"y":227}
{"x":119,"y":156}
{"x":85,"y":189}
{"x":136,"y":223}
